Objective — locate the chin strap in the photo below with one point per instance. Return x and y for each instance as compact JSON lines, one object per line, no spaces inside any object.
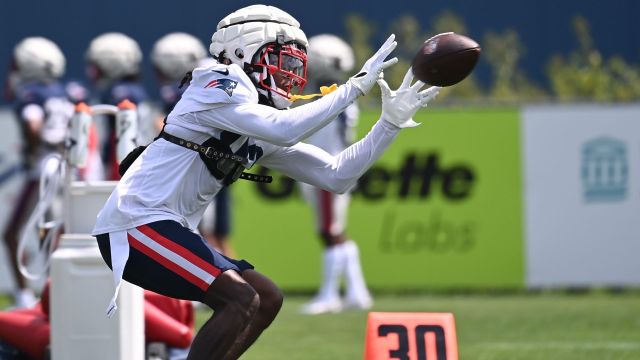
{"x":324,"y":90}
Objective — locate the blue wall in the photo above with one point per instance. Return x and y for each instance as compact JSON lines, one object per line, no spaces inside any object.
{"x":544,"y":25}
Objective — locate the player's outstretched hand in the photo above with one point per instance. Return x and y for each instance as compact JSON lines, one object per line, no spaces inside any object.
{"x":372,"y":69}
{"x":399,"y":106}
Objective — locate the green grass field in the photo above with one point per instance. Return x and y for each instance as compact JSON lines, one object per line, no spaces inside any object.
{"x":544,"y":326}
{"x":489,"y":327}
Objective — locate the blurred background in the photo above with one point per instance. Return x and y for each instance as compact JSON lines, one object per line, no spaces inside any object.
{"x":515,"y":205}
{"x":533,"y":49}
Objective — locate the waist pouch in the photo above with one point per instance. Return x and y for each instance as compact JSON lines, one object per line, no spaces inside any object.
{"x":223,"y":164}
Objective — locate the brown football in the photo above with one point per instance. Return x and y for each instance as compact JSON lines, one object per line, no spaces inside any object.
{"x":445,"y":59}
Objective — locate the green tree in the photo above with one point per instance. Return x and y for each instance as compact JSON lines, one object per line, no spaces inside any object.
{"x":359,"y":33}
{"x":409,"y":37}
{"x":585,"y":75}
{"x":503,"y":51}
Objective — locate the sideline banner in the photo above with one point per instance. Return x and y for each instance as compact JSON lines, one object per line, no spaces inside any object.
{"x":582,"y":176}
{"x":441,"y":209}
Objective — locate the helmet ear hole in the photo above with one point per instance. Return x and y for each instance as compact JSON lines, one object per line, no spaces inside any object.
{"x":239,"y":53}
{"x":223,"y":59}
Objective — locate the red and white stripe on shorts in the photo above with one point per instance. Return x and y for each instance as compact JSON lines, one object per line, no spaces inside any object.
{"x":173,"y":256}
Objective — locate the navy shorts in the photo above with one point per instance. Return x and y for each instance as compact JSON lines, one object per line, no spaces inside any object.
{"x":169,"y":259}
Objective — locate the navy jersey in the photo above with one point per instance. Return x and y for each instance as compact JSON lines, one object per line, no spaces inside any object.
{"x":37,"y":93}
{"x":47,"y":108}
{"x":46,"y":101}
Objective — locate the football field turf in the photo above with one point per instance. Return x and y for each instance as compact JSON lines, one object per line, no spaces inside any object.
{"x":489,"y":327}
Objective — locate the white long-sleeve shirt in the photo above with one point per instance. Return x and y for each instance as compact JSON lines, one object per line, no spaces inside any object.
{"x":169,"y":182}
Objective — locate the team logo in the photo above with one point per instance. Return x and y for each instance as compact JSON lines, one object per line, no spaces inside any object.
{"x":226,"y":85}
{"x":605,"y":170}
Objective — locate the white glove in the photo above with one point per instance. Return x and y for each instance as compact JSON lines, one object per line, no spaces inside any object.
{"x":372,"y":69}
{"x":398,"y":107}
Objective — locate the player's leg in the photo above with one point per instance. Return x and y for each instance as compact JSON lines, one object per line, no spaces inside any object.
{"x":168,"y":259}
{"x":333,"y":262}
{"x":357,"y":295}
{"x":270,"y":303}
{"x":235,"y":304}
{"x":23,"y":296}
{"x":222,"y":222}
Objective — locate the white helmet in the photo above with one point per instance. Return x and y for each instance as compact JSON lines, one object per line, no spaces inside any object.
{"x":176,"y":54}
{"x":330,"y":58}
{"x":268,"y":44}
{"x":115,"y":54}
{"x":37,"y":58}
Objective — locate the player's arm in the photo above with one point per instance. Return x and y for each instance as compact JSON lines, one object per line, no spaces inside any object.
{"x":281,"y":127}
{"x":339,"y":173}
{"x":311,"y":164}
{"x":288,"y":127}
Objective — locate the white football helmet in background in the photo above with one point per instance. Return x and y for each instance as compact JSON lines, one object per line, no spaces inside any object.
{"x":175,"y":54}
{"x":330,"y":58}
{"x":38,"y":59}
{"x":269,"y":45}
{"x":116,"y":56}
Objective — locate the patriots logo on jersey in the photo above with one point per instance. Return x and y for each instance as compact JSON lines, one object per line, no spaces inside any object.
{"x":223,"y":84}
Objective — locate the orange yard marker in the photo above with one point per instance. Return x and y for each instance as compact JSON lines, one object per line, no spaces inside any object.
{"x":411,"y":336}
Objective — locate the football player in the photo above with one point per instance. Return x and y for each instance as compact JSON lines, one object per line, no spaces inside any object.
{"x":113,"y":66}
{"x":173,"y":56}
{"x":330,"y":59}
{"x":43,"y":109}
{"x":233,"y":115}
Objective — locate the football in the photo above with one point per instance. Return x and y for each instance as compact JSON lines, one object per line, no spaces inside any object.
{"x":445,"y":59}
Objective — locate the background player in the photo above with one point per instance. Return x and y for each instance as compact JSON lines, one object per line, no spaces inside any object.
{"x":330,"y":59}
{"x":113,"y":66}
{"x":43,"y":109}
{"x":173,"y":56}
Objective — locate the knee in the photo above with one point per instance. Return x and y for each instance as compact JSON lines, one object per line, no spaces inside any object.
{"x":230,"y":292}
{"x":271,"y":301}
{"x":330,"y":240}
{"x":246,"y":300}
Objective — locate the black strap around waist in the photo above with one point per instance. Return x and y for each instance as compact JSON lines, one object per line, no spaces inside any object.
{"x":207,"y":151}
{"x":214,"y":154}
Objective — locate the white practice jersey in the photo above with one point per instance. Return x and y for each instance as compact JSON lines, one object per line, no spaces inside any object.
{"x":169,"y":182}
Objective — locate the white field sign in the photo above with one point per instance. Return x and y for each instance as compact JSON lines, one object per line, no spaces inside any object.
{"x":582,"y":195}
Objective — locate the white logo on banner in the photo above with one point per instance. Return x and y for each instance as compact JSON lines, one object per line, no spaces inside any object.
{"x":605,"y":170}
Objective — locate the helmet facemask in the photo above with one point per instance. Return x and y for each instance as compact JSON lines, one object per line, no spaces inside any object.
{"x":281,"y":70}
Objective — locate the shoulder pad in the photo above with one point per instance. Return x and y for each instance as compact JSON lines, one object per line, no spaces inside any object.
{"x":217,"y":85}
